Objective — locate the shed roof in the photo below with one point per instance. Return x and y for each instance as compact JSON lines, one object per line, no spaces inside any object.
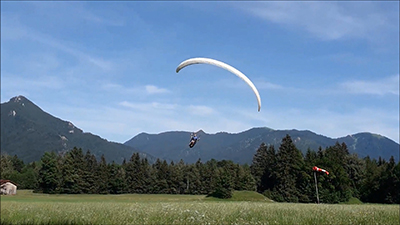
{"x":6,"y":181}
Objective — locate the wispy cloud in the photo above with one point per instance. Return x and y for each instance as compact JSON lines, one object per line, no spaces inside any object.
{"x":13,"y":30}
{"x":134,"y":90}
{"x":327,"y":20}
{"x":268,"y":85}
{"x":200,"y":110}
{"x":77,"y":12}
{"x":12,"y":84}
{"x":387,"y":85}
{"x":148,"y":106}
{"x":151,"y":89}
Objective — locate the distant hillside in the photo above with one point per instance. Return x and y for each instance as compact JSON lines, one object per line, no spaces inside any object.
{"x":27,"y":131}
{"x":241,"y":147}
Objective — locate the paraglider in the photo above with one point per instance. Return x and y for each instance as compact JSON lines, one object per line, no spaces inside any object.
{"x":225,"y":66}
{"x":193,"y":140}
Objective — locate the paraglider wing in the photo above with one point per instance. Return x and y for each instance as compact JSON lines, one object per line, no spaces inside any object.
{"x":224,"y":66}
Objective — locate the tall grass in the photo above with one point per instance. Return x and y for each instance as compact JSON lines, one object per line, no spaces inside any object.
{"x":182,"y":209}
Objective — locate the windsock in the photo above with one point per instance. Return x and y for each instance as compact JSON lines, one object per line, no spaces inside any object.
{"x":320,"y":170}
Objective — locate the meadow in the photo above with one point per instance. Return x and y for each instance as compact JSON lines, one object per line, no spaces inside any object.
{"x":244,"y":208}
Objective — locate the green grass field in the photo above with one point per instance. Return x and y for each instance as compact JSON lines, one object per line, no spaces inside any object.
{"x":244,"y":208}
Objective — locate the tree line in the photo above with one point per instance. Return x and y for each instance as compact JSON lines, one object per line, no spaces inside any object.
{"x":283,"y":174}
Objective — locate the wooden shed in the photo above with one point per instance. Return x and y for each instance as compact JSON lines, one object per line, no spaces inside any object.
{"x":8,"y":187}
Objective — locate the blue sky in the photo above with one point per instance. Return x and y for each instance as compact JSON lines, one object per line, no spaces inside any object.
{"x":109,"y":67}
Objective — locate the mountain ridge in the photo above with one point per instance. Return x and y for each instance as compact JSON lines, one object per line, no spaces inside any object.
{"x":241,"y":147}
{"x":28,"y":132}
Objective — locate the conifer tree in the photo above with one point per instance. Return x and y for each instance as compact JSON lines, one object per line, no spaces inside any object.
{"x":192,"y":179}
{"x":17,"y":163}
{"x":355,"y":168}
{"x":199,"y":182}
{"x":147,"y":178}
{"x":6,"y":166}
{"x":160,"y":171}
{"x":263,"y":167}
{"x":224,"y":184}
{"x":209,"y":176}
{"x":102,"y":176}
{"x":28,"y":177}
{"x":244,"y":179}
{"x":289,"y":165}
{"x":179,"y":179}
{"x":389,"y":182}
{"x":175,"y":178}
{"x":116,"y":179}
{"x":133,"y":174}
{"x":337,"y":187}
{"x":49,"y":174}
{"x":72,"y":172}
{"x":89,"y":174}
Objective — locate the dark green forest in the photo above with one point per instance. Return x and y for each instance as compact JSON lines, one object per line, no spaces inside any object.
{"x":284,"y":175}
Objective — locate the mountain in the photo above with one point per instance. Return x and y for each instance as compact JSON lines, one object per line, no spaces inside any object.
{"x":241,"y":147}
{"x":28,"y":132}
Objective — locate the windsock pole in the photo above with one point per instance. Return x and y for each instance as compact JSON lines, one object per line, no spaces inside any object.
{"x":316,"y":185}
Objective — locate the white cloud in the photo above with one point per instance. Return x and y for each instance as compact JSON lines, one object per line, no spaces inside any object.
{"x":328,"y":20}
{"x":13,"y":30}
{"x":387,"y":85}
{"x":151,"y":89}
{"x":115,"y":88}
{"x":201,"y":110}
{"x":149,"y":106}
{"x":268,"y":85}
{"x":77,"y":13}
{"x":13,"y":82}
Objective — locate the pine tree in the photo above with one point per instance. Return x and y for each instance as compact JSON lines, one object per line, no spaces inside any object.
{"x":72,"y":172}
{"x":102,"y":176}
{"x":311,"y":159}
{"x":263,"y":167}
{"x":17,"y":163}
{"x":133,"y":174}
{"x":90,"y":181}
{"x":209,"y":176}
{"x":147,"y":178}
{"x":289,"y":165}
{"x":116,"y":179}
{"x":199,"y":182}
{"x":6,"y":166}
{"x":389,"y":183}
{"x":192,"y":179}
{"x":175,"y":178}
{"x":160,"y":171}
{"x":49,"y":174}
{"x":337,"y":187}
{"x":27,"y":178}
{"x":244,"y":179}
{"x":179,"y":179}
{"x":224,"y":184}
{"x":355,"y":168}
{"x":396,"y":184}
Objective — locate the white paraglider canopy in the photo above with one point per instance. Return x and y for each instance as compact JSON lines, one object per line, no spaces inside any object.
{"x":223,"y":65}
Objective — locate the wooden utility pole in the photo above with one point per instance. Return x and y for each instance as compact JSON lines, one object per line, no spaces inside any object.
{"x":316,"y":186}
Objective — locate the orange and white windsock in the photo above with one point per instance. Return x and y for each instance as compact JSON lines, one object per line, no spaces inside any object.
{"x":320,"y":170}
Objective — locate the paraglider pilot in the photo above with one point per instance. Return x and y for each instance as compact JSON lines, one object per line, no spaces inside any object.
{"x":193,"y":140}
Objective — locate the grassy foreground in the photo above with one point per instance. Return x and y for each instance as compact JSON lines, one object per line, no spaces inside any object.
{"x":29,"y":208}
